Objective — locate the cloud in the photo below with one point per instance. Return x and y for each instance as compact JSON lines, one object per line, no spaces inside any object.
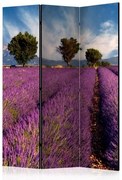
{"x":107,"y":24}
{"x":31,"y":22}
{"x":5,"y":47}
{"x":106,"y":41}
{"x":108,"y":27}
{"x":66,"y":27}
{"x":11,"y":29}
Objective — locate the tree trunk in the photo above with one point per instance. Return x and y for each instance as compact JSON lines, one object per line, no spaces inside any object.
{"x":87,"y":63}
{"x":68,"y":64}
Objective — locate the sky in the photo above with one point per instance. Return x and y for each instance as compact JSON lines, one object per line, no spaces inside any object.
{"x":58,"y":22}
{"x":98,"y":27}
{"x":20,"y":19}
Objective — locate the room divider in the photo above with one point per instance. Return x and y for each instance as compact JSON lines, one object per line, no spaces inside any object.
{"x":60,"y":86}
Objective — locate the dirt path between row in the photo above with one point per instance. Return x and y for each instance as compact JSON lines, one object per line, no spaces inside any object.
{"x":96,"y":129}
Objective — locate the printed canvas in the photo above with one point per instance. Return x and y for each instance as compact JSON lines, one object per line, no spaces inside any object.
{"x":61,"y":86}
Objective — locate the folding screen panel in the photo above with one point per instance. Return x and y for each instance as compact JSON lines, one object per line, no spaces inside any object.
{"x":60,"y":86}
{"x":21,"y":86}
{"x":99,"y":87}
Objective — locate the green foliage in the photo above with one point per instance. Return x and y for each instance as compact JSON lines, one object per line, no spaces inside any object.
{"x":93,"y":56}
{"x":23,"y":47}
{"x":68,"y":49}
{"x":103,"y":63}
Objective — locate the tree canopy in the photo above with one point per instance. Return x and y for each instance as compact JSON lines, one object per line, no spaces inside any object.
{"x":93,"y":56}
{"x":68,"y":49}
{"x":23,"y":47}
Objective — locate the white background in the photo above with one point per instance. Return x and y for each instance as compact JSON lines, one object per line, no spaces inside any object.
{"x":52,"y":174}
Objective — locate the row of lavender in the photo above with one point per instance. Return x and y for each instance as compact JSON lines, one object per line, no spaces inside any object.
{"x":87,"y":82}
{"x":108,"y":83}
{"x":60,"y":128}
{"x":21,"y":117}
{"x":60,"y":117}
{"x":114,"y":69}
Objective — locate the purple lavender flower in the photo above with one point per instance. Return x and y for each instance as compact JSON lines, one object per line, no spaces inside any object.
{"x":109,"y":116}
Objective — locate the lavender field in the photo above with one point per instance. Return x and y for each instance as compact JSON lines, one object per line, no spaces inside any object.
{"x":79,"y":117}
{"x":71,"y":113}
{"x":21,"y":117}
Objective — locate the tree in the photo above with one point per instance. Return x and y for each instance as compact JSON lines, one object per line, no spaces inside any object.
{"x":23,"y":47}
{"x":68,"y":49}
{"x":93,"y":56}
